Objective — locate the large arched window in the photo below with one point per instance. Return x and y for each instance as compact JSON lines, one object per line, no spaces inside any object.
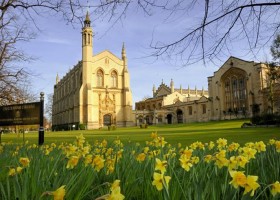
{"x":235,"y":90}
{"x":100,"y":78}
{"x":114,"y":79}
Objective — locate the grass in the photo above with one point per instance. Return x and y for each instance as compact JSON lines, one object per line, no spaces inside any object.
{"x":183,"y":133}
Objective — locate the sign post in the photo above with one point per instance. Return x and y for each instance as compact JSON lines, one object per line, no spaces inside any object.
{"x":41,"y":129}
{"x":24,"y":114}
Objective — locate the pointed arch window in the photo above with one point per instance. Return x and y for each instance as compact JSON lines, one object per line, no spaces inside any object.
{"x":100,"y":78}
{"x":114,"y":79}
{"x":235,"y":90}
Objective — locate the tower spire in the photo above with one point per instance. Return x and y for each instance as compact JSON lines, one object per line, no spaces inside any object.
{"x":57,"y":78}
{"x":123,"y":51}
{"x":87,"y":20}
{"x":172,"y":85}
{"x":124,"y":58}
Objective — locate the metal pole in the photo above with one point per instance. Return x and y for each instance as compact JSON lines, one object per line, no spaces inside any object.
{"x":41,"y":129}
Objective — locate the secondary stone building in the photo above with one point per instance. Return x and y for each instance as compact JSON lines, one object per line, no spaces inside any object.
{"x":95,"y":92}
{"x":238,"y":89}
{"x":170,"y":105}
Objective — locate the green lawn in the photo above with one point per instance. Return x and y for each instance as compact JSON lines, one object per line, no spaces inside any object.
{"x":183,"y":133}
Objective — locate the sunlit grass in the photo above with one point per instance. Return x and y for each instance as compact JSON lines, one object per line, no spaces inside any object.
{"x":155,"y":169}
{"x":183,"y":133}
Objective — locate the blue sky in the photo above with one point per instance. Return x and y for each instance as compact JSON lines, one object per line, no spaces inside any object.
{"x":57,"y":48}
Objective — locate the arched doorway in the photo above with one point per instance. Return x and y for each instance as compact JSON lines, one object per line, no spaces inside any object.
{"x":107,"y":120}
{"x":180,"y":116}
{"x":169,"y":119}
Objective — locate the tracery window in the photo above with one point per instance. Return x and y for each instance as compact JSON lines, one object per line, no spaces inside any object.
{"x":203,"y":108}
{"x":114,"y":79}
{"x":235,"y":90}
{"x":100,"y":78}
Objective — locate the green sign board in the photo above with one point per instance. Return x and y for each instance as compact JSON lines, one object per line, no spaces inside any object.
{"x":20,"y":114}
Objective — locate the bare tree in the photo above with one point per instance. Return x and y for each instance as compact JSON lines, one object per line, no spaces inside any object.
{"x":217,"y":27}
{"x":17,"y":18}
{"x":275,"y":50}
{"x":48,"y":107}
{"x":274,"y":75}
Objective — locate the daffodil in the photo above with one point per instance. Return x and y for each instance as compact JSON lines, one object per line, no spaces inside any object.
{"x":238,"y":179}
{"x":146,"y":149}
{"x":160,"y":165}
{"x":211,"y":145}
{"x":249,"y":152}
{"x":12,"y":172}
{"x":277,"y":145}
{"x":160,"y":141}
{"x":19,"y":169}
{"x":24,"y":161}
{"x":185,"y":162}
{"x":221,"y":143}
{"x":221,"y":159}
{"x":232,"y":164}
{"x":188,"y":152}
{"x":160,"y":181}
{"x":115,"y":193}
{"x":88,"y":159}
{"x":233,"y":147}
{"x":272,"y":141}
{"x":98,"y":163}
{"x":104,"y":143}
{"x":59,"y":193}
{"x":242,"y":161}
{"x":251,"y":185}
{"x":72,"y":162}
{"x":154,"y":135}
{"x":207,"y":158}
{"x":80,"y":140}
{"x":141,"y":157}
{"x":260,"y":146}
{"x":275,"y":188}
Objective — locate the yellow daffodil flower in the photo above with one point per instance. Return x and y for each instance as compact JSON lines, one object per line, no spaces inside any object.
{"x":98,"y":163}
{"x":72,"y":162}
{"x":277,"y":145}
{"x":242,"y":161}
{"x":12,"y":172}
{"x":249,"y":152}
{"x":19,"y":169}
{"x":160,"y":165}
{"x":233,"y":147}
{"x":59,"y":193}
{"x":24,"y":161}
{"x":88,"y":159}
{"x":185,"y":162}
{"x":221,"y":143}
{"x":232,"y":164}
{"x":238,"y":179}
{"x":211,"y":145}
{"x":275,"y":188}
{"x":160,"y":180}
{"x":260,"y":146}
{"x":251,"y":185}
{"x":188,"y":153}
{"x":207,"y":158}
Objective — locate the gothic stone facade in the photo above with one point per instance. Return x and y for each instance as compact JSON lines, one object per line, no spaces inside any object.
{"x":234,"y":91}
{"x":96,"y":92}
{"x":170,"y":105}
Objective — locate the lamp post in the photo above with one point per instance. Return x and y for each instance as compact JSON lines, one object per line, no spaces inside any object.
{"x":41,"y":129}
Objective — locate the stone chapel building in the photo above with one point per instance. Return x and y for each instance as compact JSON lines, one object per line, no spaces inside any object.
{"x":95,"y":92}
{"x":237,"y":90}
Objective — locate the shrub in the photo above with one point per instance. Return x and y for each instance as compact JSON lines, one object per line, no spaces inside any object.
{"x":82,"y":126}
{"x":246,"y":125}
{"x":112,"y":127}
{"x":144,"y":126}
